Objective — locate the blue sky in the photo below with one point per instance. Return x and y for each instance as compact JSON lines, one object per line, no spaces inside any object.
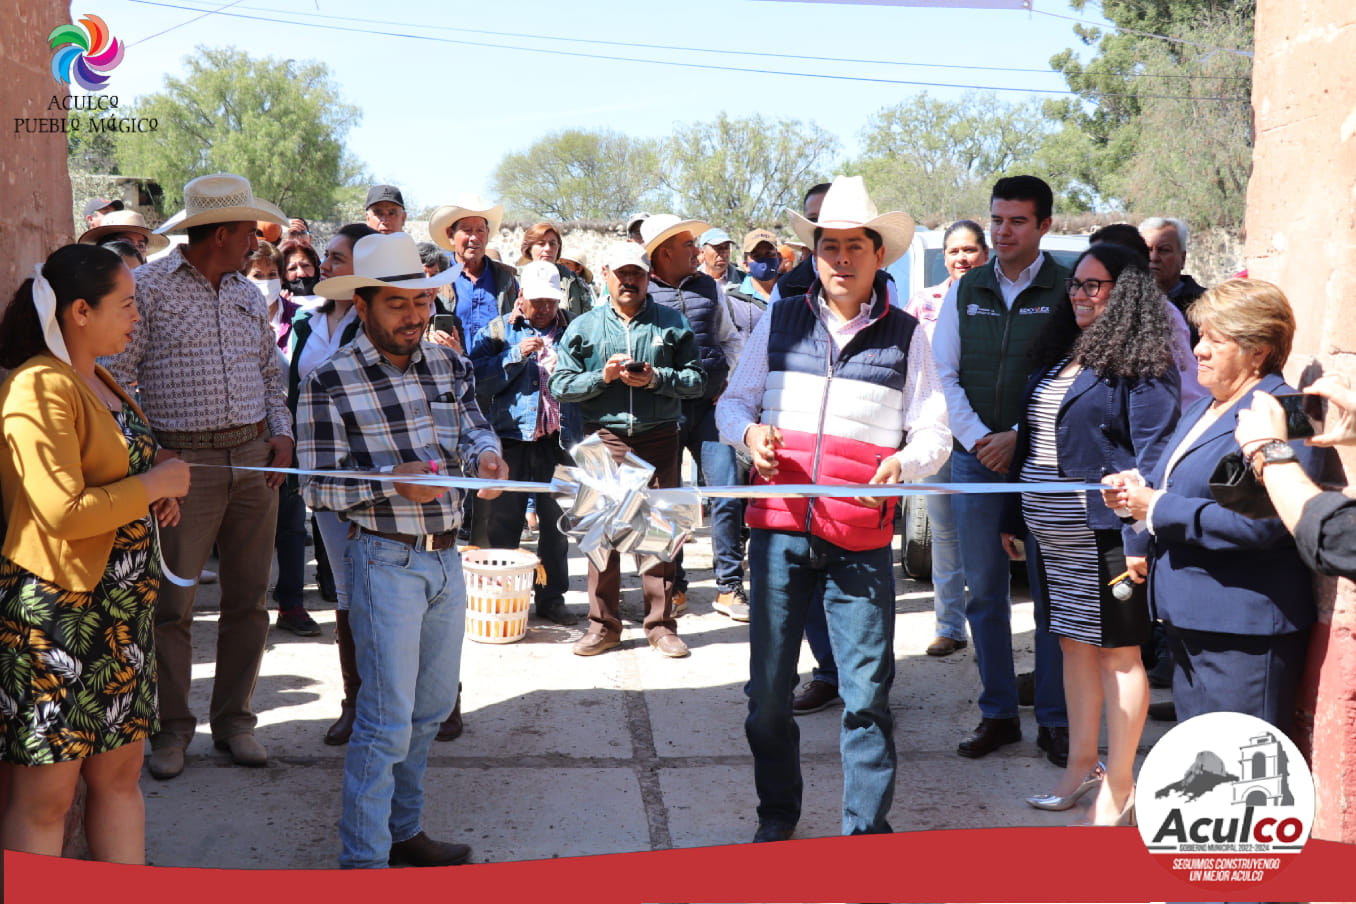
{"x":438,"y":116}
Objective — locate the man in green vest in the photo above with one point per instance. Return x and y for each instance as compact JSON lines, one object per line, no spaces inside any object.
{"x":985,"y":326}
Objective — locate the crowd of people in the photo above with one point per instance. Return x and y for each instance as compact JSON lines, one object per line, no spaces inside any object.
{"x":153,"y":405}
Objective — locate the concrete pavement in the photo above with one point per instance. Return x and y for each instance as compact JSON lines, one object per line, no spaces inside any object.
{"x":565,"y":756}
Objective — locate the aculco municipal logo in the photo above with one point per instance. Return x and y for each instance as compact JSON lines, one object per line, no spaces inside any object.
{"x":1224,"y":799}
{"x":82,"y":55}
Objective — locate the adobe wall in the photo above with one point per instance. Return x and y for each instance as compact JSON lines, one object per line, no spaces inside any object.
{"x":1301,"y":235}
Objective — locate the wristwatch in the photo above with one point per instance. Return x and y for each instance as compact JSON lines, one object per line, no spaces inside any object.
{"x":1273,"y":452}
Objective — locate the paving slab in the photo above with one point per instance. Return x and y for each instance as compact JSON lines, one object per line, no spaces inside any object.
{"x":566,"y":756}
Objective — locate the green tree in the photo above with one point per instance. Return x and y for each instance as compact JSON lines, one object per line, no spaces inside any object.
{"x":578,"y":175}
{"x":1165,"y":125}
{"x":279,"y":123}
{"x":937,"y":159}
{"x":741,"y":173}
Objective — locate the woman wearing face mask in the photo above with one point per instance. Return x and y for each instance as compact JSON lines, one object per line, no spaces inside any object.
{"x":300,"y":272}
{"x":963,"y":247}
{"x":263,"y":269}
{"x":316,"y":336}
{"x":542,"y":242}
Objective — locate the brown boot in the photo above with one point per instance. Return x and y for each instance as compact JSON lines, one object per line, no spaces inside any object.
{"x":339,"y":732}
{"x":451,"y":727}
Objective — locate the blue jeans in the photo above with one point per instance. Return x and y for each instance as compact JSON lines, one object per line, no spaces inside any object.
{"x":407,"y":612}
{"x":817,"y":636}
{"x":948,"y":580}
{"x":786,"y":572}
{"x":290,"y":543}
{"x":989,"y":609}
{"x":698,"y":435}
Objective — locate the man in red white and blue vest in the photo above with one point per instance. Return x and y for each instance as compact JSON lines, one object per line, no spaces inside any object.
{"x":835,"y":386}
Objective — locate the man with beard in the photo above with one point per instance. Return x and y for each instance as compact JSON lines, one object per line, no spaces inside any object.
{"x":390,"y":401}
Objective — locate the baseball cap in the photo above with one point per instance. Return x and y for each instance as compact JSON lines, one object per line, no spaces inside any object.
{"x":540,"y":279}
{"x":636,"y":221}
{"x":94,"y":205}
{"x":714,"y":236}
{"x":626,"y":254}
{"x":753,"y":239}
{"x":384,"y":193}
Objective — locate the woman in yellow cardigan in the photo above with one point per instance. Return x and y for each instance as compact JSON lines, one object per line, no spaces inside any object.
{"x":79,"y":569}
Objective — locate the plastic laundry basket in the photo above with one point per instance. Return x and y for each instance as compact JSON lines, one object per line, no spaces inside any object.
{"x":498,"y":593}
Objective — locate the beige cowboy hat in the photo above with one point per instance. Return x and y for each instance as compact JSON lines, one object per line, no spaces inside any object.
{"x":384,"y":260}
{"x":221,"y":198}
{"x":847,"y":206}
{"x":661,"y":227}
{"x":125,"y":221}
{"x":580,"y":258}
{"x":465,"y":206}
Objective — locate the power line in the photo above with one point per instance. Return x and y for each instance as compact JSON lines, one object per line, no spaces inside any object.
{"x":684,"y":64}
{"x":741,"y":53}
{"x":1147,"y":34}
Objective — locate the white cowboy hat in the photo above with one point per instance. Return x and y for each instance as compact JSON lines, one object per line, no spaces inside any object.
{"x":125,"y":221}
{"x":661,"y":227}
{"x":383,"y":260}
{"x":221,"y":198}
{"x":847,"y":206}
{"x":465,"y":206}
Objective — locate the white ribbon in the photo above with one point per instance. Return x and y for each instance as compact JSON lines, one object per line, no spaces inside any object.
{"x":44,"y":300}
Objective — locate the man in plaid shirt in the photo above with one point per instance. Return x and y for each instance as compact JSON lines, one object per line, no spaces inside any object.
{"x":391,"y":402}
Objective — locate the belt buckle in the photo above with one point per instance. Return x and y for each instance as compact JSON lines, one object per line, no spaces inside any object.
{"x":428,"y":543}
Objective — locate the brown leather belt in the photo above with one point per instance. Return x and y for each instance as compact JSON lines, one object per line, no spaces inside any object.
{"x":425,"y":542}
{"x":210,"y":439}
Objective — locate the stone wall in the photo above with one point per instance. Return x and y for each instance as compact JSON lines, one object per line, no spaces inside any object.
{"x":1301,"y":235}
{"x":35,"y":193}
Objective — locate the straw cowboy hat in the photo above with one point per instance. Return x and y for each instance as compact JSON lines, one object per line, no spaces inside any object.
{"x":580,"y":258}
{"x":465,"y":206}
{"x":661,"y":227}
{"x":221,"y":198}
{"x":847,"y":206}
{"x":125,"y":221}
{"x":383,"y":260}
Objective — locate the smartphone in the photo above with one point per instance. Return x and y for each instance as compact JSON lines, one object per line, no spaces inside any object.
{"x":635,"y":367}
{"x":1303,"y":413}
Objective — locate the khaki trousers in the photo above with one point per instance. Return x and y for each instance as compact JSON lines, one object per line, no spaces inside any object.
{"x":238,"y":512}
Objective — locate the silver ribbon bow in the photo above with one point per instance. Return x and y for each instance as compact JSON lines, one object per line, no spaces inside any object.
{"x":609,"y":507}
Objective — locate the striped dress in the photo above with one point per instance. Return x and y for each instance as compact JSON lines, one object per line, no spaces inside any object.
{"x":1059,"y":521}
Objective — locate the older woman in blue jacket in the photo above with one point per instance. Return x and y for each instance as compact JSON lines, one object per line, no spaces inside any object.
{"x":1104,"y":398}
{"x":1233,"y":593}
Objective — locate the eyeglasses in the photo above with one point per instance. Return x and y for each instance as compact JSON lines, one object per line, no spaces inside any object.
{"x":1088,"y":287}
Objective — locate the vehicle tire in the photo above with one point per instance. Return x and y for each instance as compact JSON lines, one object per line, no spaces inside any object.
{"x":915,"y":555}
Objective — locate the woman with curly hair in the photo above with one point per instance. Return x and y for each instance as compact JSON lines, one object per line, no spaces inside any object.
{"x":542,"y":242}
{"x":1103,"y":399}
{"x":79,"y":568}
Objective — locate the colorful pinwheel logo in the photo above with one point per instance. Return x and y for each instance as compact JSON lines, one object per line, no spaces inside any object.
{"x":81,"y":55}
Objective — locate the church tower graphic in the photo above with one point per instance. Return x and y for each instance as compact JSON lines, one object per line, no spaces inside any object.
{"x":1265,"y":774}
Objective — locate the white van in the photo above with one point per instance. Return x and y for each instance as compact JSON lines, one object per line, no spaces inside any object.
{"x":921,"y":267}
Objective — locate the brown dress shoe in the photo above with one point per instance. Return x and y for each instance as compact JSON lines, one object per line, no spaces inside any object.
{"x":422,"y":850}
{"x":989,"y":736}
{"x":166,"y":762}
{"x":669,"y":645}
{"x":452,"y":726}
{"x":945,"y":646}
{"x":595,"y":642}
{"x":815,"y":696}
{"x":244,"y":750}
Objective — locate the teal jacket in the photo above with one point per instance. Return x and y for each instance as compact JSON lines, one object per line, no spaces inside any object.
{"x":658,"y":335}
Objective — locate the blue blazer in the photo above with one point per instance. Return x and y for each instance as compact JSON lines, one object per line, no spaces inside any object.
{"x":1106,"y":425}
{"x":1211,"y":569}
